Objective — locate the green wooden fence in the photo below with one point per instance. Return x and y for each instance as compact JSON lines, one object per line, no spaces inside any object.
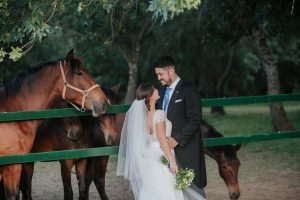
{"x":89,"y":152}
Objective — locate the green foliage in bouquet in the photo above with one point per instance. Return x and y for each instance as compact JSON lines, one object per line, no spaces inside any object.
{"x":184,"y":177}
{"x":164,"y":160}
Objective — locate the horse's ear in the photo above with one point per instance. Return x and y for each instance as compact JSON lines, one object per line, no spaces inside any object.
{"x":116,"y":88}
{"x":237,"y":147}
{"x":222,"y":154}
{"x":70,"y":55}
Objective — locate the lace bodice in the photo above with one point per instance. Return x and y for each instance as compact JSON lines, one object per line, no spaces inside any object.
{"x":160,"y":116}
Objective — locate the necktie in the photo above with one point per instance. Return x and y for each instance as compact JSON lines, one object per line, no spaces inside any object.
{"x":166,"y":98}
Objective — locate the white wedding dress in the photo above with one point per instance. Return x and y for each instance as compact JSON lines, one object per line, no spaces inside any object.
{"x":139,"y":158}
{"x":158,"y":181}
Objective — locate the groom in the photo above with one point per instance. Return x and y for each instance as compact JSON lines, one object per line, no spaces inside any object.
{"x":181,"y":103}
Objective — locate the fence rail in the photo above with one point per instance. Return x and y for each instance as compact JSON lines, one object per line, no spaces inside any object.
{"x":89,"y":152}
{"x":71,"y":112}
{"x":102,"y":151}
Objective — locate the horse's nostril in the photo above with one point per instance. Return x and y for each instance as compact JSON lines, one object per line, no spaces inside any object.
{"x":234,"y":195}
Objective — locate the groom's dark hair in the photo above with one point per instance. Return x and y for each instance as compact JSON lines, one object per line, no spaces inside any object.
{"x":164,"y":61}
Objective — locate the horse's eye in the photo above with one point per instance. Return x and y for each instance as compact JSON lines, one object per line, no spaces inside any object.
{"x":224,"y":166}
{"x":79,"y":73}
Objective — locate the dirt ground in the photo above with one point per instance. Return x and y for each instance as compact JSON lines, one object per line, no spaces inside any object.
{"x":263,"y":175}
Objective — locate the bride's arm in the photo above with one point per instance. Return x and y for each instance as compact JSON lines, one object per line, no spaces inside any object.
{"x":161,"y":135}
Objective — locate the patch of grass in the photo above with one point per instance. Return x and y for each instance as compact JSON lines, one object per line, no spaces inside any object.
{"x":253,"y":119}
{"x":250,"y":119}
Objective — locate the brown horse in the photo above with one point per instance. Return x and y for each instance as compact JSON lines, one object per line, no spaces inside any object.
{"x":226,"y":158}
{"x":37,"y":90}
{"x":72,"y":133}
{"x":97,"y":166}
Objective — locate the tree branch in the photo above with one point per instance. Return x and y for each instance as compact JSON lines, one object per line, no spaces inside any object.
{"x":52,"y":13}
{"x":293,"y":6}
{"x":29,"y":48}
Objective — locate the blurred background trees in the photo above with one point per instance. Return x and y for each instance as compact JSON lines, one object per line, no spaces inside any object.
{"x":227,"y":48}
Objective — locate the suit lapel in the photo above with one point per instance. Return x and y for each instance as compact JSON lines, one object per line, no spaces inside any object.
{"x":173,"y":98}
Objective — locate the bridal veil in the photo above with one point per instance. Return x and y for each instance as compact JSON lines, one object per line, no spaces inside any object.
{"x":132,"y":145}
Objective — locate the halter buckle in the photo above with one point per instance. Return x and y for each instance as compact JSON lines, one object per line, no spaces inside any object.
{"x":82,"y":109}
{"x":85,"y":93}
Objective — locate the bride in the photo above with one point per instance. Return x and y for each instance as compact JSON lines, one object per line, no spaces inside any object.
{"x":143,"y":142}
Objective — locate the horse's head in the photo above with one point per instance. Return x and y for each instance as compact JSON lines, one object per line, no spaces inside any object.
{"x":226,"y":157}
{"x":108,"y":121}
{"x":80,"y":88}
{"x":229,"y":165}
{"x":72,"y":127}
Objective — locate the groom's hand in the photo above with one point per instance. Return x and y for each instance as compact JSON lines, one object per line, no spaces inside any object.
{"x":172,"y":142}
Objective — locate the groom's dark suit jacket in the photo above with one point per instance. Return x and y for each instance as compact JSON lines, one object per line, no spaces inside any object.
{"x":185,"y":113}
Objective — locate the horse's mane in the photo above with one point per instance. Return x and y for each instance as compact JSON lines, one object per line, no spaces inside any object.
{"x":213,"y":133}
{"x":12,"y":87}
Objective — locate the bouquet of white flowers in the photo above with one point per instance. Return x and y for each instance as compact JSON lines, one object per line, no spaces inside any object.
{"x":184,"y":177}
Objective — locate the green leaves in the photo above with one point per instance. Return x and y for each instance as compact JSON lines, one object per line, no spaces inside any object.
{"x":80,"y":7}
{"x":22,"y":22}
{"x":15,"y":54}
{"x":2,"y":54}
{"x":167,"y":9}
{"x":40,"y":32}
{"x":108,"y":5}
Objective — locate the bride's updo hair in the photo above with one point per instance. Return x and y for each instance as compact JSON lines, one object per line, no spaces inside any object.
{"x":145,"y":91}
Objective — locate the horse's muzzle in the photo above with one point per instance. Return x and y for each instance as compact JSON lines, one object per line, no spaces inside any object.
{"x":234,"y":195}
{"x":73,"y":135}
{"x":109,"y":140}
{"x":99,"y":108}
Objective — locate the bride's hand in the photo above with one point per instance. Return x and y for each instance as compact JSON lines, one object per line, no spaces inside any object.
{"x":173,"y":168}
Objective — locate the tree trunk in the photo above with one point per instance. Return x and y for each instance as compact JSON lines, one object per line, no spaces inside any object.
{"x":132,"y":82}
{"x":219,"y":110}
{"x":279,"y":117}
{"x":132,"y":56}
{"x":132,"y":59}
{"x":216,"y":110}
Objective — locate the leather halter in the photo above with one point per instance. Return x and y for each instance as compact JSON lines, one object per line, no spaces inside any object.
{"x":84,"y":93}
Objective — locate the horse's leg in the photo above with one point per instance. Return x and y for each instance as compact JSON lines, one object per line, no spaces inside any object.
{"x":26,"y":180}
{"x":66,"y":166}
{"x":99,"y":178}
{"x":81,"y":174}
{"x":11,"y":178}
{"x":2,"y":193}
{"x":90,"y":173}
